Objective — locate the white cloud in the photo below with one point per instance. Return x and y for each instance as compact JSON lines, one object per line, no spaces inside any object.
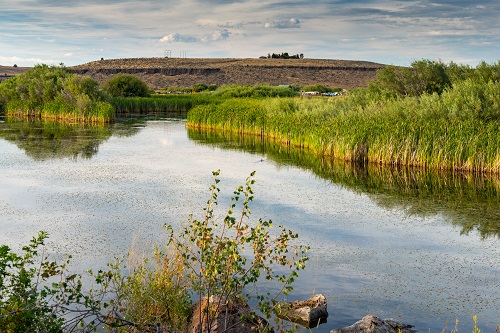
{"x":27,"y":61}
{"x":283,"y":24}
{"x":176,"y":38}
{"x":329,"y":29}
{"x":216,"y":35}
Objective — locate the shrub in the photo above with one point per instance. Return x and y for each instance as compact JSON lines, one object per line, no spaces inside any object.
{"x":318,"y":87}
{"x":206,"y":257}
{"x":213,"y":249}
{"x":200,"y":87}
{"x":54,"y":92}
{"x":126,"y":85}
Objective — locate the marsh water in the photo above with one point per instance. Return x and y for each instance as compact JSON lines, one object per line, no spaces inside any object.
{"x":420,"y":247}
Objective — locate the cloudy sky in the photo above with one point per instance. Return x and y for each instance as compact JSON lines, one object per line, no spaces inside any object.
{"x":387,"y":31}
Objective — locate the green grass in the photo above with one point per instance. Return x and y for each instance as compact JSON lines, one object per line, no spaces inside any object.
{"x":159,"y":103}
{"x":90,"y":112}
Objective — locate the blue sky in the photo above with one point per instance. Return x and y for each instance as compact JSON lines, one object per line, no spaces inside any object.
{"x":391,"y":32}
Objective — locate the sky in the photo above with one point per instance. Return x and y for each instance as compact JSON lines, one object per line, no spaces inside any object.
{"x":390,"y":32}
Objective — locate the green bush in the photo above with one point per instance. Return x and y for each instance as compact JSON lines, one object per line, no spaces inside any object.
{"x":126,"y":85}
{"x":200,"y":87}
{"x":54,"y":92}
{"x":217,"y":265}
{"x":319,"y":88}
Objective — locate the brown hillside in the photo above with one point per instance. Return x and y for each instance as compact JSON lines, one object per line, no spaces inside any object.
{"x":160,"y":73}
{"x":6,"y":72}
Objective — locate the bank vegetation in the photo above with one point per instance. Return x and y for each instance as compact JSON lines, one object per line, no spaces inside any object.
{"x":52,"y":92}
{"x":431,"y":115}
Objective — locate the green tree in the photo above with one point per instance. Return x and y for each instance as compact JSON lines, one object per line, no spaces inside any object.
{"x":126,"y":85}
{"x":424,"y":76}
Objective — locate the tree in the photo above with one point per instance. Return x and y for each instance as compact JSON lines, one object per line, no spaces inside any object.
{"x":126,"y":85}
{"x":424,"y":76}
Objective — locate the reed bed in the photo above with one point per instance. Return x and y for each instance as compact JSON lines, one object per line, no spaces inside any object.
{"x":159,"y":103}
{"x":89,"y":112}
{"x":457,"y":130}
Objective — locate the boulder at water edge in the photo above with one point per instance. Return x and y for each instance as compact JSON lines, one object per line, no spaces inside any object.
{"x":372,"y":324}
{"x":309,"y":313}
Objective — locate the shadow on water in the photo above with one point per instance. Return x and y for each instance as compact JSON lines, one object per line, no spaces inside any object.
{"x":468,"y":202}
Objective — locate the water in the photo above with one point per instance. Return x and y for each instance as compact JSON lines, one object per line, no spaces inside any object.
{"x":418,"y":247}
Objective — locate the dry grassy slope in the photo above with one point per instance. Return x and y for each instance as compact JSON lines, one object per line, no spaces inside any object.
{"x":7,"y":72}
{"x":176,"y":72}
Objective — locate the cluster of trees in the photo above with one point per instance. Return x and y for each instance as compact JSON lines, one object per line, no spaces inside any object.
{"x":285,"y":55}
{"x":126,"y":85}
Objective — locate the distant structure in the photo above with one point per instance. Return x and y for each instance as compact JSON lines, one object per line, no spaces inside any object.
{"x":168,"y":54}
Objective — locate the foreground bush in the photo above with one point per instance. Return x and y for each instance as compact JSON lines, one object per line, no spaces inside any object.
{"x":205,"y":258}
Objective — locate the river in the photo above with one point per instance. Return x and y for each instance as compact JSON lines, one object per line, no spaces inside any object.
{"x":419,"y":247}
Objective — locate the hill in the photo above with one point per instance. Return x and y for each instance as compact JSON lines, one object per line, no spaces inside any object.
{"x":6,"y":72}
{"x":160,"y":73}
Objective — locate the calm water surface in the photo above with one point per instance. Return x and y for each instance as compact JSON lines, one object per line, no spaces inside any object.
{"x":419,"y":248}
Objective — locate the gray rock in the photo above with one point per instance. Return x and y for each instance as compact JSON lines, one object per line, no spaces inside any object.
{"x":372,"y":324}
{"x":309,"y":313}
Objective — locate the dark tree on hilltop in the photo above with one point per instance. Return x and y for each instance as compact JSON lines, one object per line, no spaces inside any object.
{"x":285,"y":55}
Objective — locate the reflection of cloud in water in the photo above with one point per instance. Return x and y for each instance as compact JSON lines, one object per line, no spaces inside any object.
{"x":366,"y":256}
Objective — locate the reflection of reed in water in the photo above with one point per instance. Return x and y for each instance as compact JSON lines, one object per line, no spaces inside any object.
{"x":45,"y":139}
{"x":471,"y":202}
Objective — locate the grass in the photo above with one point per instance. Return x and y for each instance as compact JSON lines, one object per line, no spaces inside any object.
{"x":168,"y":103}
{"x":91,"y":112}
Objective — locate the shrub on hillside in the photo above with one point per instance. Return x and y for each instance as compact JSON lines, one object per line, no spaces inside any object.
{"x":126,"y":85}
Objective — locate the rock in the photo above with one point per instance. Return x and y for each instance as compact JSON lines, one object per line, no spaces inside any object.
{"x":372,"y":324}
{"x":224,"y":318}
{"x":309,"y":313}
